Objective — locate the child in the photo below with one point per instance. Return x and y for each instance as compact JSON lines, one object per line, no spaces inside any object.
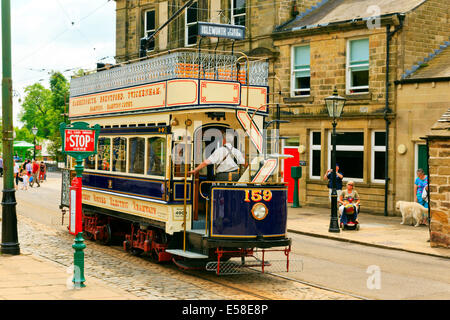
{"x":25,"y":179}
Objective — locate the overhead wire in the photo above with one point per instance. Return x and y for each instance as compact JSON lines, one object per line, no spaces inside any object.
{"x":59,"y":35}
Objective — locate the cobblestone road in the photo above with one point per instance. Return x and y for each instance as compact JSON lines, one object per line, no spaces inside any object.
{"x":149,"y":280}
{"x":139,"y":276}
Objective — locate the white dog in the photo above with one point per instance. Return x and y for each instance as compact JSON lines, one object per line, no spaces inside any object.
{"x":412,"y":210}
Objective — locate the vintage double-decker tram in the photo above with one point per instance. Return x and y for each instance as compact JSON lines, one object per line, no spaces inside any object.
{"x":159,"y":118}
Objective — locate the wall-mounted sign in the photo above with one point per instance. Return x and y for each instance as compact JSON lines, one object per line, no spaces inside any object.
{"x":221,"y":30}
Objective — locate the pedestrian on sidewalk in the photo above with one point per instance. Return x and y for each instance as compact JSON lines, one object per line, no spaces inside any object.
{"x":36,"y":171}
{"x":339,"y":177}
{"x":420,"y":185}
{"x":28,"y":167}
{"x":349,"y":197}
{"x":16,"y":174}
{"x":25,"y":178}
{"x":42,"y":171}
{"x":1,"y":166}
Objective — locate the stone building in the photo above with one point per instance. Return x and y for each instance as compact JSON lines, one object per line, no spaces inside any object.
{"x":353,"y":46}
{"x":138,"y":18}
{"x":423,"y":103}
{"x":361,"y":47}
{"x":422,"y":97}
{"x":439,"y":150}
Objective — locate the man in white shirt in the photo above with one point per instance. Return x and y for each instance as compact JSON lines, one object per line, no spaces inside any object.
{"x":226,"y":158}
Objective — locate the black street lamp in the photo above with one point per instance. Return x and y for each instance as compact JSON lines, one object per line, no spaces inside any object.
{"x":335,"y":105}
{"x":34,"y":130}
{"x":10,"y":241}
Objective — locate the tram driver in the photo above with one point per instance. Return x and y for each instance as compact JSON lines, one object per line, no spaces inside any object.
{"x":227,"y":160}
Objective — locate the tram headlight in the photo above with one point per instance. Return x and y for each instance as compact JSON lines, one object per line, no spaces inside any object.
{"x":259,"y":211}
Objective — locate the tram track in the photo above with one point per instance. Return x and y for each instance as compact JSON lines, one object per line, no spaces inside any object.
{"x":230,"y":286}
{"x":319,"y":286}
{"x":223,"y":281}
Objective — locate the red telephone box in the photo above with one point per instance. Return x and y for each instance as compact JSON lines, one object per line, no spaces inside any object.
{"x":75,"y":220}
{"x":288,"y":163}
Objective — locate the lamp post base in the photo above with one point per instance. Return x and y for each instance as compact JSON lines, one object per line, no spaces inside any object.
{"x":10,"y":241}
{"x":78,"y":258}
{"x":334,"y":225}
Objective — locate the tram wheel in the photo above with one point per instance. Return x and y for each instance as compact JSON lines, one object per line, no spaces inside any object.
{"x":108,"y":235}
{"x":136,"y":252}
{"x":87,"y":235}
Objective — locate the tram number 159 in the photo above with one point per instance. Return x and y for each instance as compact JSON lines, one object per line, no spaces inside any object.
{"x":256,"y":195}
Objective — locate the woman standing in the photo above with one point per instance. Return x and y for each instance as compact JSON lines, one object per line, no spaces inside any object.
{"x":421,"y":184}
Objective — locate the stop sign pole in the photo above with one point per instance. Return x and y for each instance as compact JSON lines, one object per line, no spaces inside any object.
{"x":78,"y":141}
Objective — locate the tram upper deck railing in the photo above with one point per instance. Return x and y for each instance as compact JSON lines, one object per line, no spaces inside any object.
{"x":178,"y":64}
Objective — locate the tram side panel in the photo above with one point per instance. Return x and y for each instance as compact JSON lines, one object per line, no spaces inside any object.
{"x":135,"y":197}
{"x":245,"y":213}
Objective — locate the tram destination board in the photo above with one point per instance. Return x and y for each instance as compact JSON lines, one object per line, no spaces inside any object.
{"x":221,"y":31}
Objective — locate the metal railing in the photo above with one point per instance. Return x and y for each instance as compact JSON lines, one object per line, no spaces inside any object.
{"x":178,"y":64}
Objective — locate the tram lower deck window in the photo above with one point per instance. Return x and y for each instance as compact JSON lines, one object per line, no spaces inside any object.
{"x":104,"y":154}
{"x":119,"y":156}
{"x":156,"y":163}
{"x":136,"y":155}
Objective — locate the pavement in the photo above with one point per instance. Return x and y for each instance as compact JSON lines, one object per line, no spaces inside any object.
{"x":30,"y":277}
{"x":375,"y":230}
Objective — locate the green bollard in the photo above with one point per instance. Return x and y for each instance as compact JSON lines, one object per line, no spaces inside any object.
{"x":296,"y":173}
{"x":78,"y":260}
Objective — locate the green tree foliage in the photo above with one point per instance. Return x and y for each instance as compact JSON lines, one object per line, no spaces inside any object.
{"x":23,"y":134}
{"x":45,"y":109}
{"x":36,"y":109}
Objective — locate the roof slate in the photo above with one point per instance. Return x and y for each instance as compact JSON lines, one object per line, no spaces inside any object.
{"x":442,"y":127}
{"x":335,"y":11}
{"x":436,"y":67}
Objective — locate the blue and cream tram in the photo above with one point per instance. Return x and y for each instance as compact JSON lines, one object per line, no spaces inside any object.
{"x":159,"y":118}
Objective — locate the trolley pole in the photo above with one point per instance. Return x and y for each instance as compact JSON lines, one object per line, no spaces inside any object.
{"x":10,"y":242}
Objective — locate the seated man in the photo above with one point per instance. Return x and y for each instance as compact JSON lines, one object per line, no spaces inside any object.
{"x":226,"y":158}
{"x":349,"y":201}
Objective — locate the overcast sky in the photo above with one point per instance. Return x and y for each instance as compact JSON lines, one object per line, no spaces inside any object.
{"x":60,"y":35}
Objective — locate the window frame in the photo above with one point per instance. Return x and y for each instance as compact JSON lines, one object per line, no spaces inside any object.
{"x":372,"y":162}
{"x":187,"y":25}
{"x":233,"y":16}
{"x":147,"y":32}
{"x":359,"y":148}
{"x":294,"y":70}
{"x":314,"y":147}
{"x":127,"y":173}
{"x":348,"y":68}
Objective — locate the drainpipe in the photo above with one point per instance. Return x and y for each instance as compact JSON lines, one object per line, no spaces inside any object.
{"x":389,"y":35}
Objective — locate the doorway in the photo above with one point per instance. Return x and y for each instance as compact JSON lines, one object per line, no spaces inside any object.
{"x":206,"y":139}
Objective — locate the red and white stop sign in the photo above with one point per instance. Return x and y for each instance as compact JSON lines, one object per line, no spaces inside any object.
{"x":80,"y":140}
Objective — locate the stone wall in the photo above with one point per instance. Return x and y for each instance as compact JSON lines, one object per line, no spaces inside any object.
{"x":439,"y":163}
{"x":425,"y":29}
{"x":418,"y":107}
{"x":261,"y":19}
{"x":328,"y":69}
